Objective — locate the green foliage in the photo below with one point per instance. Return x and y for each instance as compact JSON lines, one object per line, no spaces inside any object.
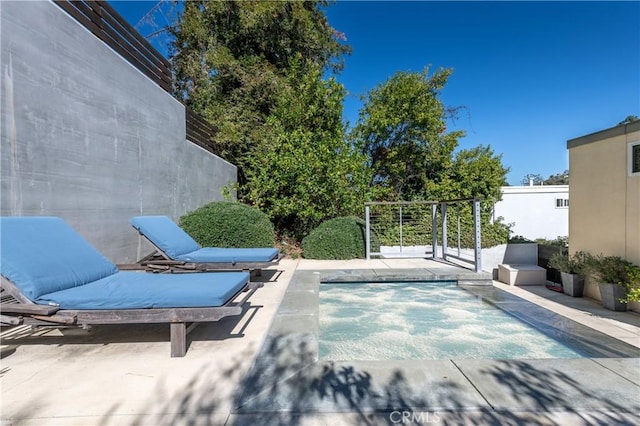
{"x":232,"y":59}
{"x":559,"y":241}
{"x":616,"y":270}
{"x":255,"y":70}
{"x":339,"y":238}
{"x":610,"y":269}
{"x":633,"y":286}
{"x":228,"y":224}
{"x":519,"y":239}
{"x":557,"y":179}
{"x":402,"y":130}
{"x":495,"y":233}
{"x":306,"y":173}
{"x":578,"y":263}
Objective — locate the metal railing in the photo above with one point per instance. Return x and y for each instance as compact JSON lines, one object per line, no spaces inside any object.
{"x":422,"y":229}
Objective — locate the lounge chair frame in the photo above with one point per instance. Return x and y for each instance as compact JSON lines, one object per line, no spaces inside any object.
{"x":24,"y":311}
{"x":159,"y":261}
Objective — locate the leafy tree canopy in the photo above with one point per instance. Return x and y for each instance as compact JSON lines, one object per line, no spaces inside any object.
{"x":232,"y":59}
{"x":306,"y":173}
{"x":402,"y":130}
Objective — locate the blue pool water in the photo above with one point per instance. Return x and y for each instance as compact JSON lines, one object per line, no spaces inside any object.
{"x":402,"y":321}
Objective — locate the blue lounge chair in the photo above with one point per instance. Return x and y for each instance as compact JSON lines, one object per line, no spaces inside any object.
{"x":56,"y":278}
{"x":176,"y":250}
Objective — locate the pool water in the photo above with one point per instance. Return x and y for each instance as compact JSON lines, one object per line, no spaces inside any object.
{"x":438,"y":320}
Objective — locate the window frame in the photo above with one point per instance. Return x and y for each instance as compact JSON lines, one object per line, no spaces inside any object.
{"x":631,"y":147}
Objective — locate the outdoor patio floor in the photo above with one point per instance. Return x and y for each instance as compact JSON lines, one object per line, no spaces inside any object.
{"x":263,"y":368}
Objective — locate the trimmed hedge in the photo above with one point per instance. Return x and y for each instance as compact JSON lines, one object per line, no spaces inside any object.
{"x":229,"y":224}
{"x":340,"y":238}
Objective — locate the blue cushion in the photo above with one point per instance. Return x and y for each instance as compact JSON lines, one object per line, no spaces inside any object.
{"x":41,"y":255}
{"x":230,"y":255}
{"x":165,"y":235}
{"x":140,"y":290}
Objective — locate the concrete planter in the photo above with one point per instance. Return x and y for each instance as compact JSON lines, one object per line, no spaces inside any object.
{"x":611,"y":295}
{"x":572,"y":284}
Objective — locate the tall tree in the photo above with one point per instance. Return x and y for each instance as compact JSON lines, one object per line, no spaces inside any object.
{"x":306,"y":172}
{"x":402,"y":130}
{"x":232,"y":59}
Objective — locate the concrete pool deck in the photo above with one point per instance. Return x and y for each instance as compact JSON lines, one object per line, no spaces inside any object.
{"x":124,"y":375}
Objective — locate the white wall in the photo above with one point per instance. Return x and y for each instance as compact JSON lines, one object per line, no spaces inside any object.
{"x":533,"y":210}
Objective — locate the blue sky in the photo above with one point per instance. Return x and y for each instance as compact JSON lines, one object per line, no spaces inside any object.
{"x":531,"y":75}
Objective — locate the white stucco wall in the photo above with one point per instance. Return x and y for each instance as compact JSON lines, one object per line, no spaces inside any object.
{"x":533,"y":211}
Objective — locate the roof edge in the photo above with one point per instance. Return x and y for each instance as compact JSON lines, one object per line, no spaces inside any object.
{"x":621,"y":129}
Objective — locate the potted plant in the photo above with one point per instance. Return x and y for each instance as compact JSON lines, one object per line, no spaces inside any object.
{"x":615,"y":277}
{"x":633,"y":287}
{"x":573,"y":269}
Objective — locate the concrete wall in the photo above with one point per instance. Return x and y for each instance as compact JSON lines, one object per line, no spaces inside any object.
{"x":533,"y":210}
{"x":604,"y":214}
{"x":87,"y":137}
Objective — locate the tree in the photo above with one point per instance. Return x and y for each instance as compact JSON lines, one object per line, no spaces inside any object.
{"x":402,"y":131}
{"x":477,"y":173}
{"x":537,"y":179}
{"x":232,"y":60}
{"x":401,"y":128}
{"x":306,"y":172}
{"x":558,"y":179}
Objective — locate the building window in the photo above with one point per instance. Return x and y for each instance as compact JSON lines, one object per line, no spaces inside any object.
{"x":562,"y":203}
{"x":634,"y":159}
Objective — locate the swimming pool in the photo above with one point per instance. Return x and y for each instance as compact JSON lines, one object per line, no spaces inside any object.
{"x":290,"y":375}
{"x":425,"y":320}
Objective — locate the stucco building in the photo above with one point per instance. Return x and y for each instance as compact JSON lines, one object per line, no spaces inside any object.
{"x":604,"y":214}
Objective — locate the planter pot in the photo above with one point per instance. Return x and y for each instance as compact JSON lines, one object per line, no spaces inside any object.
{"x":572,"y":284}
{"x":611,"y":295}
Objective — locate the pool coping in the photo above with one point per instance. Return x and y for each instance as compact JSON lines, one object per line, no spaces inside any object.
{"x":289,"y":377}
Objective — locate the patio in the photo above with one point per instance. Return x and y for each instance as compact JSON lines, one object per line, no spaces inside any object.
{"x":124,"y":375}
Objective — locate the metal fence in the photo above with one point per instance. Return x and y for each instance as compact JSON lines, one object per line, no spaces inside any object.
{"x":437,"y":229}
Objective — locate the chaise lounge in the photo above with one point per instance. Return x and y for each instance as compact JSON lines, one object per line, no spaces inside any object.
{"x":54,"y":277}
{"x":175,"y":250}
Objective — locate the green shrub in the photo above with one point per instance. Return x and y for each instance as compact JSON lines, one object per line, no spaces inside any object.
{"x":229,"y":224}
{"x":633,"y":286}
{"x":578,"y":263}
{"x":339,"y":238}
{"x":611,"y":269}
